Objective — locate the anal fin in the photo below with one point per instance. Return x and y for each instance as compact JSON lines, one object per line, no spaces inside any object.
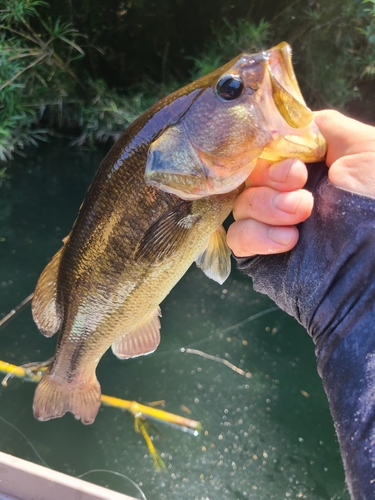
{"x":45,"y":308}
{"x":215,"y":258}
{"x":144,"y":339}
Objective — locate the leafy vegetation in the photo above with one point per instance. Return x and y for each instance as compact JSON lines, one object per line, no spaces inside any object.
{"x":41,"y":91}
{"x":336,"y":49}
{"x":49,"y":86}
{"x":334,"y":45}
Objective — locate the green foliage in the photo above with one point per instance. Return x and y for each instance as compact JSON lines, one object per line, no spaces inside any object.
{"x":29,"y":70}
{"x":368,"y":31}
{"x":47,"y":85}
{"x":333,"y":41}
{"x":334,"y":48}
{"x":230,"y":40}
{"x":39,"y":83}
{"x":105,"y":116}
{"x":14,"y":11}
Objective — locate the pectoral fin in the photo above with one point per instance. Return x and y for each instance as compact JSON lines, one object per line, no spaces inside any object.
{"x":46,"y":311}
{"x":167,"y":234}
{"x":294,"y":113}
{"x":143,"y":340}
{"x":215,"y":258}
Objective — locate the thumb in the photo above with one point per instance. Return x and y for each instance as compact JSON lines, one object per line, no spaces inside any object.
{"x":345,"y":136}
{"x":350,"y":151}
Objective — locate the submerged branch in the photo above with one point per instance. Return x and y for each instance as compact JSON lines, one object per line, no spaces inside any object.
{"x":139,"y":410}
{"x":15,"y":311}
{"x":135,"y":408}
{"x":219,"y":360}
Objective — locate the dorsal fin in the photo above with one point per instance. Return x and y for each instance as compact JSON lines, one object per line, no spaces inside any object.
{"x":45,"y":308}
{"x":166,"y":234}
{"x":144,"y":339}
{"x":215,"y":258}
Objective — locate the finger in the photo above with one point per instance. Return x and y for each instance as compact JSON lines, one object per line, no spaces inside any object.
{"x":344,"y":135}
{"x":250,"y":237}
{"x":287,"y":175}
{"x":354,"y":173}
{"x":273,"y":207}
{"x":351,"y":151}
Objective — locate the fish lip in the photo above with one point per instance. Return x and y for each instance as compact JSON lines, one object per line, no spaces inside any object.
{"x":279,"y":64}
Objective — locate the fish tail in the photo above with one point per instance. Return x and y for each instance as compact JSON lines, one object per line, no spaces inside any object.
{"x":53,"y":398}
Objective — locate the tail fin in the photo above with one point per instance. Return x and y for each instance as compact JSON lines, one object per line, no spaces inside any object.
{"x":54,"y":398}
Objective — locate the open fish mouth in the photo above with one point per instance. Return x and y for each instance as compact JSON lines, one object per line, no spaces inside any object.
{"x":280,"y":66}
{"x":290,"y":121}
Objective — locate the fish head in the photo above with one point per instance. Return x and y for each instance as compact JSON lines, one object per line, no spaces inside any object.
{"x":250,"y":108}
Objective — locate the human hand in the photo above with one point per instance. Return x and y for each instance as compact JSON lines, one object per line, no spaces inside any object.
{"x":267,"y":211}
{"x":326,"y":281}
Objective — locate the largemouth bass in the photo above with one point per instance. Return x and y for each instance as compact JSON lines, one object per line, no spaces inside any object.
{"x":156,"y":205}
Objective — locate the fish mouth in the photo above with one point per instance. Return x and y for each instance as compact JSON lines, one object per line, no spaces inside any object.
{"x":281,"y":67}
{"x":290,"y":121}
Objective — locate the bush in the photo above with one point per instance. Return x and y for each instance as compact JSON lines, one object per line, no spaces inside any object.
{"x":49,"y":87}
{"x":40,"y":84}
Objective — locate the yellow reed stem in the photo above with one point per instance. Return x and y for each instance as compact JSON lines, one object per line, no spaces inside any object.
{"x":133,"y":407}
{"x":17,"y":371}
{"x":138,"y":409}
{"x":141,"y":427}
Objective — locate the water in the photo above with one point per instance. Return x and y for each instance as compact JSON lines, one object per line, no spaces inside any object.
{"x":269,"y":436}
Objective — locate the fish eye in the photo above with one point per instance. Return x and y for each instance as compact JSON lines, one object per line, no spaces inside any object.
{"x":229,"y":87}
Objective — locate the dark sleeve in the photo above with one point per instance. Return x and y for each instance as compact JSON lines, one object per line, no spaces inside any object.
{"x":328,"y":284}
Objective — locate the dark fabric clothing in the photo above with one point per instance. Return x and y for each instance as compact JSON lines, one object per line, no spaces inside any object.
{"x":327,"y":282}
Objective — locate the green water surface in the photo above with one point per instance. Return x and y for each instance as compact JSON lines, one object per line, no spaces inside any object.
{"x":268,"y":436}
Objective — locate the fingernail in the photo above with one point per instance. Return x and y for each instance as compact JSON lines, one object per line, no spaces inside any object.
{"x":281,"y":235}
{"x":288,"y":202}
{"x":278,"y":172}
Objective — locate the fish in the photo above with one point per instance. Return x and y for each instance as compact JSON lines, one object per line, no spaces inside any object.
{"x":157,"y":204}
